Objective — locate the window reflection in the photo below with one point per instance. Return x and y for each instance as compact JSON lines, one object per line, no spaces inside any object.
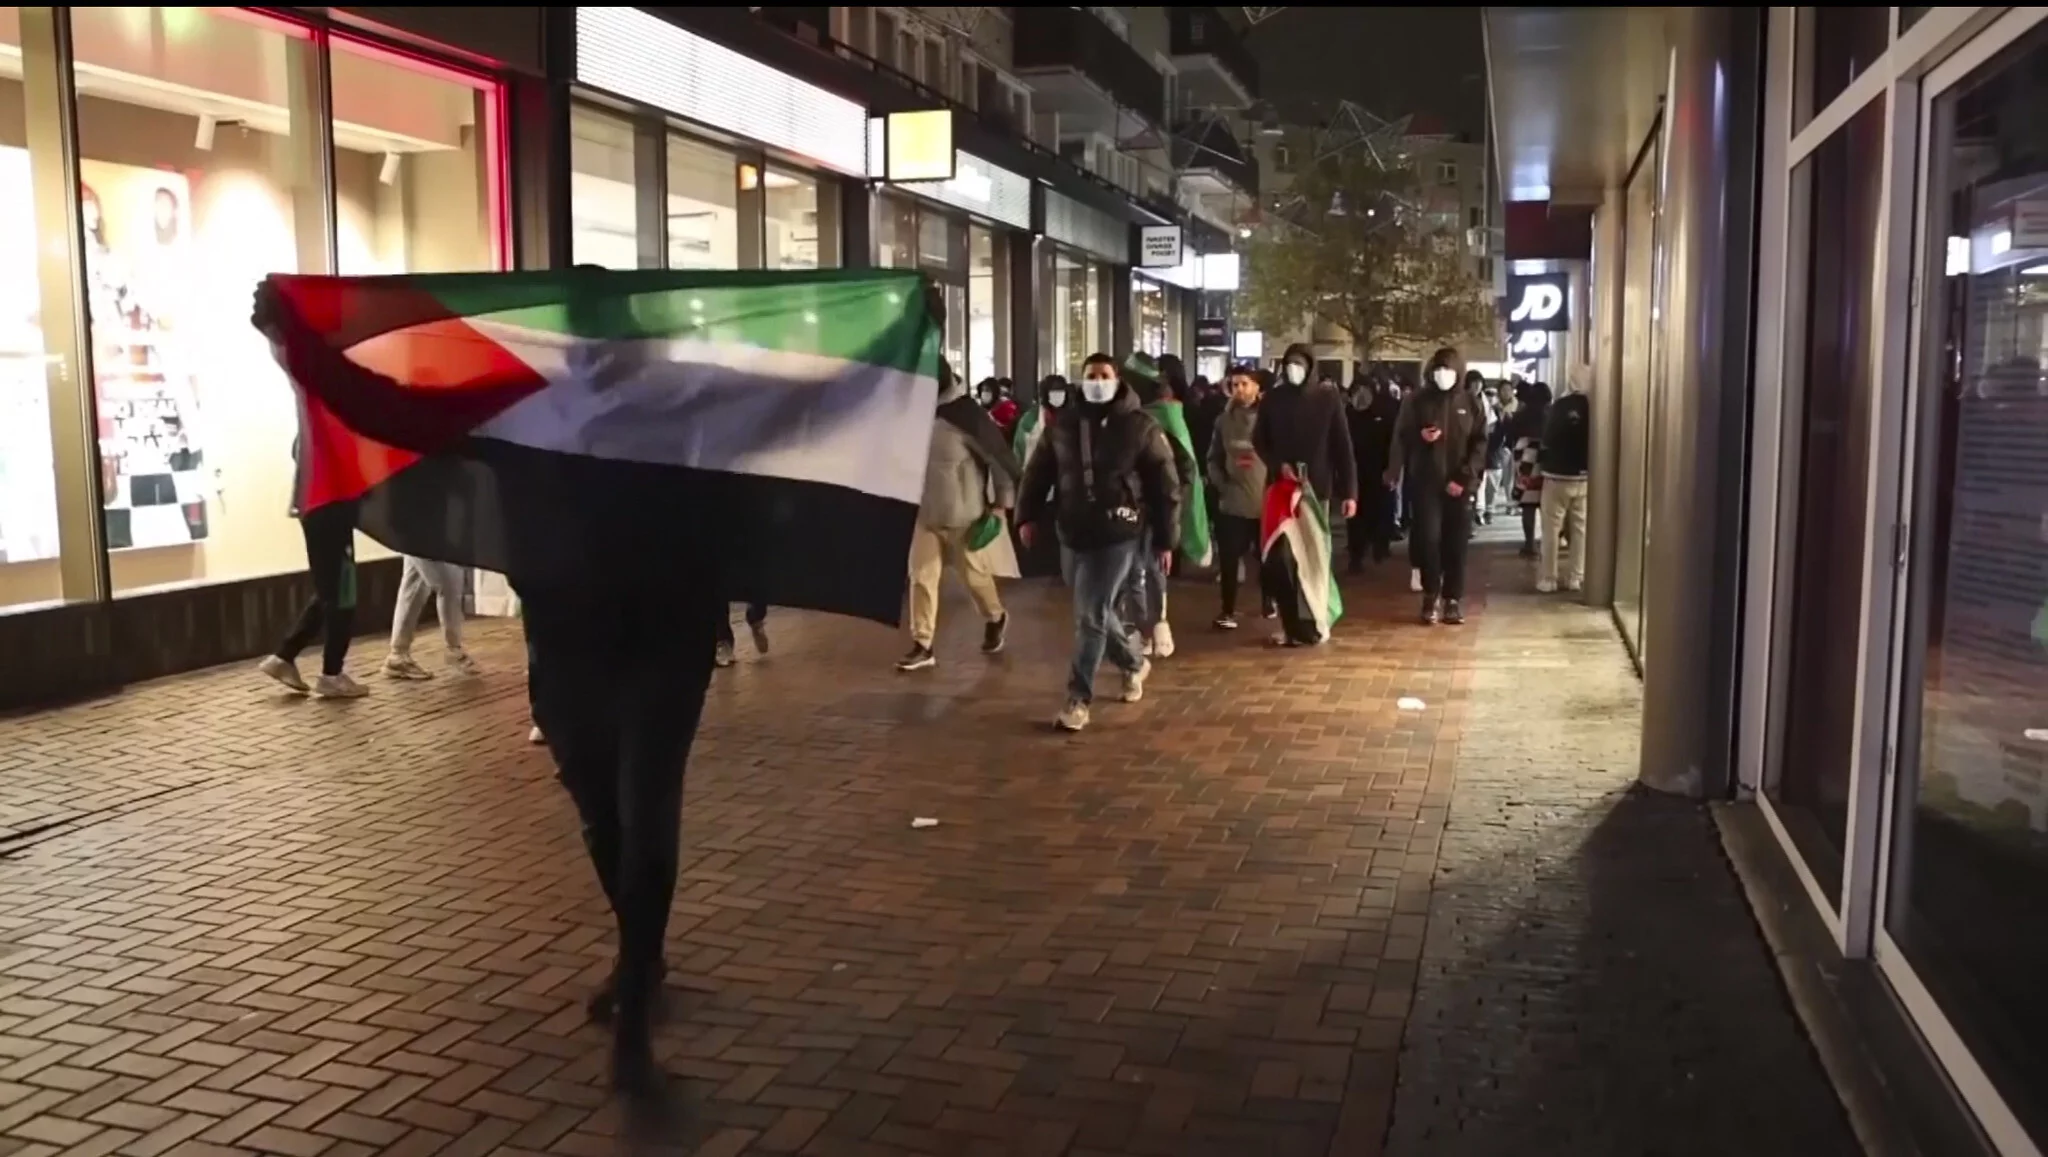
{"x":1970,"y":854}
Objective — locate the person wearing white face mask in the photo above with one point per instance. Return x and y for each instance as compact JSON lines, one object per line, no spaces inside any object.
{"x":1440,"y":443}
{"x":1302,"y":429}
{"x":1105,"y":473}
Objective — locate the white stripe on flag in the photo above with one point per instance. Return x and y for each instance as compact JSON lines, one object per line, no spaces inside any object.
{"x":719,"y":406}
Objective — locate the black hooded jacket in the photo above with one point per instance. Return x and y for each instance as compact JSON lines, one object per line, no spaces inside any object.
{"x":1305,"y":427}
{"x":1125,"y":484}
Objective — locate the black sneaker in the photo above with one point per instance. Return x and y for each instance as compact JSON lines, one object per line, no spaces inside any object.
{"x":920,"y":658}
{"x":1454,"y":612}
{"x":1428,"y":612}
{"x":993,"y":635}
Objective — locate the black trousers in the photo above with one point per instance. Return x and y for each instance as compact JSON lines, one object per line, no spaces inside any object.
{"x":1442,"y":531}
{"x":330,"y":533}
{"x":1372,"y":528}
{"x":1237,"y":540}
{"x":617,"y":682}
{"x":757,"y":614}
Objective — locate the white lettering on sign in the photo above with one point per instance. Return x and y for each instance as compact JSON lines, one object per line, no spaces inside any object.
{"x":1541,"y":301}
{"x":1530,"y":343}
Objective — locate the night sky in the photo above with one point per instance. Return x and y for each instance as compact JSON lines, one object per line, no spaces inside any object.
{"x":1394,"y":61}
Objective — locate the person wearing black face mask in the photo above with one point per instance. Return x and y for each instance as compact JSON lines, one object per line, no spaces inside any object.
{"x":1440,"y":445}
{"x":1302,"y":429}
{"x":1105,"y":473}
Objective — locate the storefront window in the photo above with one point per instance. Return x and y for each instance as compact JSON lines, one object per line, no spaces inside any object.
{"x":603,"y":208}
{"x":895,"y":233}
{"x":795,"y":239}
{"x":1841,"y":44}
{"x":200,"y":173}
{"x":1827,"y":512}
{"x":1081,"y":301}
{"x":28,"y":471}
{"x":986,"y":328}
{"x":1148,"y":308}
{"x":703,"y":205}
{"x":1969,"y":857}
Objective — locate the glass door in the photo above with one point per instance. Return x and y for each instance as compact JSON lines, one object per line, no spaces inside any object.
{"x":1965,"y":868}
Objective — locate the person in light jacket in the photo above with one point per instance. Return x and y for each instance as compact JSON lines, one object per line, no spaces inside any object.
{"x":1238,"y":475}
{"x":971,"y":474}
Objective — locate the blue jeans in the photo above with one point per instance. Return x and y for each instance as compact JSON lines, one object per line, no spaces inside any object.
{"x":1144,"y":593}
{"x":1096,"y":577}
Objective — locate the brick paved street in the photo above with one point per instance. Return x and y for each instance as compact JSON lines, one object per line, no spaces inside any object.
{"x":236,"y":923}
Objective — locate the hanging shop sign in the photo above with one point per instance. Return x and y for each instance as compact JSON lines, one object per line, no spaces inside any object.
{"x":1159,"y":246}
{"x":1212,"y":333}
{"x":918,"y":145}
{"x":1529,"y":343}
{"x":976,"y":186}
{"x":1538,"y":301}
{"x":644,"y":58}
{"x":1248,"y":345}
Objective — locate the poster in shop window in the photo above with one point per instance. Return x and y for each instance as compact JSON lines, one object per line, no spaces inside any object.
{"x":28,"y":472}
{"x":153,"y":472}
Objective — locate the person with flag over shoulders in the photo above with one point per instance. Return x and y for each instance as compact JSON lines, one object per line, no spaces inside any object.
{"x":621,"y":564}
{"x":1106,"y":471}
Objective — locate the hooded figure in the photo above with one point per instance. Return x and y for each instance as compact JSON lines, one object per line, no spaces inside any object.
{"x":1147,"y":592}
{"x":1440,"y":445}
{"x":1371,"y":412}
{"x":1302,"y":430}
{"x":970,"y":479}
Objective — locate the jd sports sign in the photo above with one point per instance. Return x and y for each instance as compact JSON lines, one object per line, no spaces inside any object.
{"x":1538,"y":302}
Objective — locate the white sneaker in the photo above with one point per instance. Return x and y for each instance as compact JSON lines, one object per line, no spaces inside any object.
{"x":534,"y":736}
{"x":338,"y":687}
{"x":1415,"y":580}
{"x":1072,"y":717}
{"x":460,"y":663}
{"x":723,"y":655}
{"x":1162,"y":640}
{"x":403,"y":667}
{"x":1134,"y":682}
{"x":1575,"y":586}
{"x":1545,"y":587}
{"x":285,"y":672}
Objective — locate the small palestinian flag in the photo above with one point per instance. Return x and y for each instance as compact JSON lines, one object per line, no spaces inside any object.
{"x":583,"y":425}
{"x":1294,"y":544}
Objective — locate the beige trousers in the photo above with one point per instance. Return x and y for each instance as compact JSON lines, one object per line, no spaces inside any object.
{"x":930,"y":551}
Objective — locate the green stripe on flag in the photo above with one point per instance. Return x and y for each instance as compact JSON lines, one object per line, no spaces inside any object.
{"x":878,"y":317}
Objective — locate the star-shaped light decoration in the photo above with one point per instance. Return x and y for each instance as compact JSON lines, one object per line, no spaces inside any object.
{"x":1257,"y":16}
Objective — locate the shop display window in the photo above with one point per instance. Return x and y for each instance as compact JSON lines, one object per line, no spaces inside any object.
{"x":986,"y":326}
{"x":895,"y":233}
{"x":28,"y":472}
{"x":703,"y":205}
{"x":797,"y":235}
{"x":200,"y":172}
{"x":604,"y":210}
{"x":1148,"y":307}
{"x":1969,"y":854}
{"x":1826,"y":509}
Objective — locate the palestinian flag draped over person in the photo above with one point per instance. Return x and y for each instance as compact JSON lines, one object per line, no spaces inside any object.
{"x":588,"y":426}
{"x":1171,"y":415}
{"x":1294,"y":544}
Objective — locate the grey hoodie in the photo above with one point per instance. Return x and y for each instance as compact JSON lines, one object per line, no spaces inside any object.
{"x":1235,"y":468}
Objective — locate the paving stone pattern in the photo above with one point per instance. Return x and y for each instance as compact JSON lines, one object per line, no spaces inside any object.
{"x":1592,"y":981}
{"x":232,"y":922}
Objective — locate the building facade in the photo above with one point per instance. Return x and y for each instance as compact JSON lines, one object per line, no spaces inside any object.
{"x":157,"y":162}
{"x":1807,"y":250}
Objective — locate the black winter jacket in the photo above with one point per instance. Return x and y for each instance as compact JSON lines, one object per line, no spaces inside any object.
{"x":1306,"y":426}
{"x":1459,"y":455}
{"x":1134,"y":485}
{"x":1566,"y":434}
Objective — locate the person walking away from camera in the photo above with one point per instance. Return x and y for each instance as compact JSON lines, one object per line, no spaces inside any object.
{"x":1525,"y":451}
{"x":1564,"y":460}
{"x":1440,"y":444}
{"x":1302,"y":430}
{"x":1106,"y":473}
{"x":330,"y":616}
{"x":1237,"y":477}
{"x":970,"y":475}
{"x":420,"y":579}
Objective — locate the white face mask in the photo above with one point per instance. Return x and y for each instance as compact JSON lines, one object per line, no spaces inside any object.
{"x":1055,"y":398}
{"x":1098,"y":390}
{"x":1296,"y":373}
{"x":1445,"y":377}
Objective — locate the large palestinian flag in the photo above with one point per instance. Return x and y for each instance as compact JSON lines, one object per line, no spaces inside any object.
{"x":585,"y":424}
{"x":1296,"y":566}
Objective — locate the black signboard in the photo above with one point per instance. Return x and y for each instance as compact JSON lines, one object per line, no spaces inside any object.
{"x":1212,"y":333}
